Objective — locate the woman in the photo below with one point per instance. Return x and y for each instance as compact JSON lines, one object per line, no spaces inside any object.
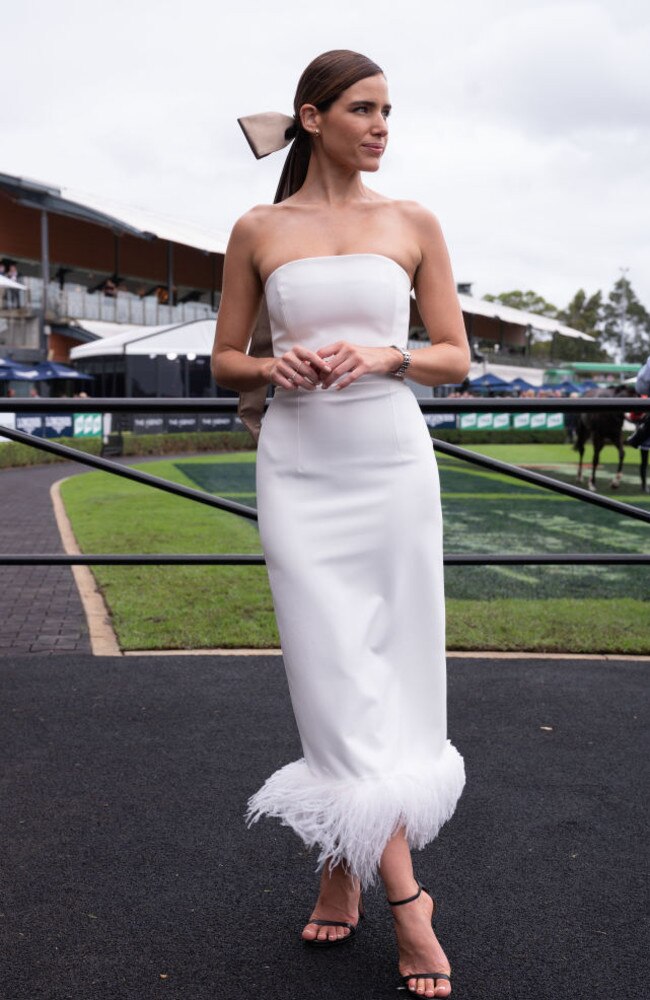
{"x":348,"y":498}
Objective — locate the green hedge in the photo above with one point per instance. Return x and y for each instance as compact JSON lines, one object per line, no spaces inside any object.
{"x":174,"y":444}
{"x":13,"y":455}
{"x":454,"y":436}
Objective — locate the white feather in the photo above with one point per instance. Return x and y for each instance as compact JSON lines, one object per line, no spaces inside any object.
{"x":352,"y":819}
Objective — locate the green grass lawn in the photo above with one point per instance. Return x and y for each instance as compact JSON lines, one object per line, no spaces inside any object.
{"x":564,"y":609}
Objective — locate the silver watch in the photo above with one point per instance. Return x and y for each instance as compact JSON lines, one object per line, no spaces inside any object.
{"x":406,"y":361}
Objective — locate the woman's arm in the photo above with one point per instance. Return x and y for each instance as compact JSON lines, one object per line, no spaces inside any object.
{"x":448,"y":358}
{"x":240,"y":303}
{"x":241,"y":296}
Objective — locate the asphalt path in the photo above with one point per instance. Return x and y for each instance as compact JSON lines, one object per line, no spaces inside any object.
{"x":128,"y":872}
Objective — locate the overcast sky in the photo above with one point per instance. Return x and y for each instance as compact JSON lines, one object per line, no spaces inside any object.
{"x":523,"y":124}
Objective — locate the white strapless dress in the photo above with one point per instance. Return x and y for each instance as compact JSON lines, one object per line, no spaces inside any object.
{"x":351,"y":527}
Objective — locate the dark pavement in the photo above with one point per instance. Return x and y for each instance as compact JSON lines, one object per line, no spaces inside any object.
{"x":40,"y":608}
{"x":127,"y":871}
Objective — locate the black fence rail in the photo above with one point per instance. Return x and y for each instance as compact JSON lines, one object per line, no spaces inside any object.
{"x":226,"y":405}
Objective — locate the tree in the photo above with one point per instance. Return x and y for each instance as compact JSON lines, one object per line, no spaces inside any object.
{"x":527,"y":301}
{"x":624,"y":308}
{"x":583,"y":313}
{"x":589,"y":314}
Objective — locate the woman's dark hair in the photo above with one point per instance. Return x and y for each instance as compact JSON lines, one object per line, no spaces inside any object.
{"x":322,"y":83}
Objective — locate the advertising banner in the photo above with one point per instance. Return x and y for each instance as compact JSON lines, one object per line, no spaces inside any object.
{"x":506,"y":421}
{"x":439,"y":420}
{"x":181,"y":423}
{"x":57,"y":425}
{"x":7,"y":420}
{"x":215,"y":422}
{"x":87,"y":425}
{"x":537,"y":421}
{"x":152,"y":424}
{"x":29,"y":424}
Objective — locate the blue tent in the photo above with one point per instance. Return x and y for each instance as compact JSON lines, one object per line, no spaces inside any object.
{"x":565,"y":386}
{"x":521,"y":384}
{"x":13,"y":371}
{"x":49,"y":370}
{"x":489,"y":381}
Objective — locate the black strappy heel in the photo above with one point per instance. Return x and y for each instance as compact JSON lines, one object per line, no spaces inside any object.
{"x":315,"y":943}
{"x":419,"y":975}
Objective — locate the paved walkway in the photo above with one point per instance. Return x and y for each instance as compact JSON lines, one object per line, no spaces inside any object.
{"x":128,"y":872}
{"x":41,"y":610}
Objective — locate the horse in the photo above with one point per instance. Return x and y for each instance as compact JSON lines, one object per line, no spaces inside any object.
{"x":602,"y":426}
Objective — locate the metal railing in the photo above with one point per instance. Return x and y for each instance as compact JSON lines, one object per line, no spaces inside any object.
{"x":121,"y":307}
{"x":448,"y":405}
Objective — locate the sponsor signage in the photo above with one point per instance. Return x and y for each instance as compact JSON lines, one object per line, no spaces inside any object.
{"x":181,"y":423}
{"x":184,"y":423}
{"x":514,"y":421}
{"x":57,"y":425}
{"x":7,"y":420}
{"x":29,"y":424}
{"x":152,"y":424}
{"x":440,"y":419}
{"x":60,"y":424}
{"x":215,"y":422}
{"x":87,"y":425}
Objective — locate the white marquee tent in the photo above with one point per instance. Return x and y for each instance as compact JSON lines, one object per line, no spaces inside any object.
{"x":185,"y":339}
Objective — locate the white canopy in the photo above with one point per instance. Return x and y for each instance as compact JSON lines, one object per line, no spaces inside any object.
{"x":196,"y":337}
{"x":496,"y":310}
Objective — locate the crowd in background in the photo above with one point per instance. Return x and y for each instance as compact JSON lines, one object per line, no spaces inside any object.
{"x":9,"y":297}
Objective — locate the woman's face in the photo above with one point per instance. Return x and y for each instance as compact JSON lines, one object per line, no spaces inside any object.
{"x":354,"y":129}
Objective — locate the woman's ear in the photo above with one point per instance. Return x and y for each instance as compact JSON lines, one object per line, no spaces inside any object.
{"x":309,"y":118}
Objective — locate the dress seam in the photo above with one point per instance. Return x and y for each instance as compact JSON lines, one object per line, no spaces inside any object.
{"x":398,"y":446}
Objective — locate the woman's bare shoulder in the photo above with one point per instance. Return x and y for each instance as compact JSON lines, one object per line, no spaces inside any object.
{"x":411,"y":214}
{"x":416,"y":214}
{"x":253,"y":225}
{"x":251,"y":220}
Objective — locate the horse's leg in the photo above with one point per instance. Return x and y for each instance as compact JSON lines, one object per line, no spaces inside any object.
{"x":580,"y":448}
{"x":598,"y":445}
{"x":616,"y":481}
{"x":643,"y":469}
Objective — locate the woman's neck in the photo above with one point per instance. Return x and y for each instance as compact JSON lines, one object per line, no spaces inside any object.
{"x":333,"y":185}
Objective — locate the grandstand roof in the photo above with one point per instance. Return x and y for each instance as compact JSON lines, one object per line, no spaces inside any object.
{"x":110,"y":213}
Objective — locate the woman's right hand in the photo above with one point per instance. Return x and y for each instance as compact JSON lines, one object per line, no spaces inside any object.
{"x":299,"y":368}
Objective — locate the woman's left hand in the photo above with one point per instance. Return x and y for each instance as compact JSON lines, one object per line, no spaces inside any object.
{"x":350,"y":361}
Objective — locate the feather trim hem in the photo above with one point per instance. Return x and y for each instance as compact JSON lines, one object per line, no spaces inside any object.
{"x":352,"y":819}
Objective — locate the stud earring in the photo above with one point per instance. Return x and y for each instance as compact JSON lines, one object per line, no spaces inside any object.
{"x":317,"y":131}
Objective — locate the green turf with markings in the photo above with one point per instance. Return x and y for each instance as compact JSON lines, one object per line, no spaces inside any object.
{"x":566,"y":608}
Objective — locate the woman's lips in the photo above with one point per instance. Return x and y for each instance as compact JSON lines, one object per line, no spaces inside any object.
{"x":374,"y":146}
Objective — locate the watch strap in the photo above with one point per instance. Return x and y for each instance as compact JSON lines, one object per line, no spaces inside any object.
{"x":406,"y":361}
